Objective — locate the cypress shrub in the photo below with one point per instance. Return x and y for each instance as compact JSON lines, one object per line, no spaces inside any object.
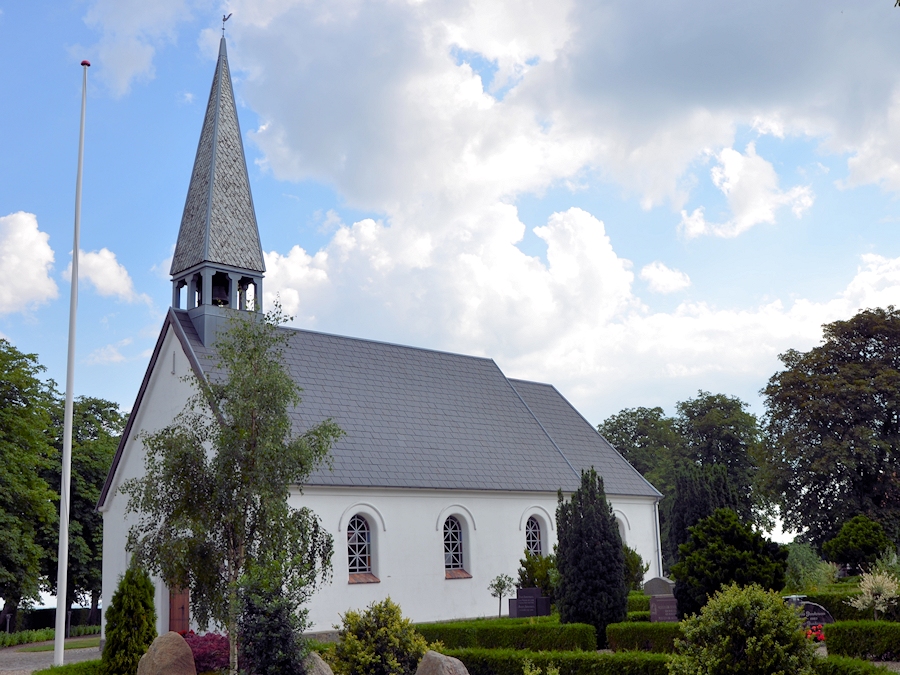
{"x":590,"y":559}
{"x":643,"y":637}
{"x":270,"y":630}
{"x":512,"y":661}
{"x":503,"y":635}
{"x":872,"y":640}
{"x":130,"y":624}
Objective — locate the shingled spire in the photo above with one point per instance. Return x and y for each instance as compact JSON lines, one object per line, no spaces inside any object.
{"x":218,"y":257}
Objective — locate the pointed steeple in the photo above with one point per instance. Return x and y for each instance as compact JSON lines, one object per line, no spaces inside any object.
{"x":218,"y":256}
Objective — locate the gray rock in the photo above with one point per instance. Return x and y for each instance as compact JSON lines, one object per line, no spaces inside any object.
{"x":168,"y":655}
{"x":438,"y":664}
{"x":315,"y":665}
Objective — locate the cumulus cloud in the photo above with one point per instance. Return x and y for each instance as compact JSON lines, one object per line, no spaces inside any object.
{"x":108,"y":354}
{"x":663,"y":279}
{"x":26,"y":261}
{"x":750,"y":185}
{"x":107,"y":275}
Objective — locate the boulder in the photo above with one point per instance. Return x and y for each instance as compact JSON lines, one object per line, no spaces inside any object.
{"x":438,"y":664}
{"x":315,"y":665}
{"x":168,"y":655}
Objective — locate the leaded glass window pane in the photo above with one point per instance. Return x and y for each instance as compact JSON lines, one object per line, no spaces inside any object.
{"x":453,"y":548}
{"x":359,"y":545}
{"x":533,"y":536}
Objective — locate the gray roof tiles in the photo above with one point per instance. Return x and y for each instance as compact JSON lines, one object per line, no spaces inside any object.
{"x":417,"y":418}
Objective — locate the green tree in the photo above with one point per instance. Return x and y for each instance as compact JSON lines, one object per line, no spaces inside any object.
{"x":538,"y":571}
{"x":635,"y":568}
{"x":858,"y":543}
{"x":590,"y":559}
{"x":130,"y":623}
{"x":721,"y":551}
{"x":28,"y":507}
{"x":833,"y":449}
{"x":744,"y":631}
{"x":806,"y":571}
{"x":96,"y":428}
{"x":501,"y":585}
{"x":206,"y":517}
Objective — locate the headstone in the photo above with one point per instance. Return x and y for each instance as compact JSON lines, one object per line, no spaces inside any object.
{"x":529,"y":602}
{"x":315,"y":665}
{"x":663,"y":608}
{"x":438,"y":664}
{"x":815,"y":615}
{"x":659,"y":586}
{"x":169,"y":654}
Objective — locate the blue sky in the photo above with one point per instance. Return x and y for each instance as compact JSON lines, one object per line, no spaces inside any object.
{"x":632,"y":201}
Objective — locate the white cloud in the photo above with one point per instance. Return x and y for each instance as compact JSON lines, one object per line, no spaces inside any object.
{"x":107,"y":275}
{"x":26,"y":261}
{"x":750,"y":185}
{"x":108,"y":354}
{"x":662,"y":279}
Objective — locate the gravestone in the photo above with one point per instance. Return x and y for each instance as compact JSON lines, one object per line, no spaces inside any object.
{"x":663,"y":609}
{"x":659,"y":586}
{"x":529,"y":602}
{"x":813,"y":614}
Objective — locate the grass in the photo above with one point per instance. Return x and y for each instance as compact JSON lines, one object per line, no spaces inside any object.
{"x":69,"y":644}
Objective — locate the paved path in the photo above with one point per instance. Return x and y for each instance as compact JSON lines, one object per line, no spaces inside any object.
{"x":14,"y":662}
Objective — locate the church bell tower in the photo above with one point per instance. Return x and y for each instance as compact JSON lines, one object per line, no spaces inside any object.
{"x":218,"y":263}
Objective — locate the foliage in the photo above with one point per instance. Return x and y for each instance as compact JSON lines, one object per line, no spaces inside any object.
{"x":378,"y":641}
{"x":82,"y":668}
{"x":638,"y":602}
{"x":858,"y":543}
{"x":97,"y":425}
{"x":878,"y":591}
{"x":806,"y":571}
{"x":538,"y":571}
{"x":643,"y":636}
{"x":833,"y":447}
{"x":842,"y":665}
{"x":589,"y":558}
{"x":636,"y":616}
{"x":512,"y":662}
{"x":744,"y":631}
{"x":270,"y":627}
{"x":722,"y":551}
{"x":206,"y":518}
{"x":888,"y":562}
{"x":838,"y":606}
{"x":130,"y":623}
{"x":27,"y":504}
{"x":635,"y":568}
{"x":24,"y":637}
{"x":874,"y":640}
{"x":507,"y":635}
{"x":210,"y":651}
{"x":528,"y":668}
{"x":502,"y":585}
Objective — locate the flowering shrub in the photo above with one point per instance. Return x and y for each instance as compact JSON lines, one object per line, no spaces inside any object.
{"x":210,"y":650}
{"x":877,"y":590}
{"x":815,"y":633}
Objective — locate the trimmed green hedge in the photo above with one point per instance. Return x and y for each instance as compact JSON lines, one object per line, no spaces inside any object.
{"x":638,"y":602}
{"x":643,"y":636}
{"x":83,"y":668}
{"x":511,"y":661}
{"x":841,"y":665}
{"x":24,"y":637}
{"x":638,"y":616}
{"x":836,"y":604}
{"x":873,"y":640}
{"x":504,"y":635}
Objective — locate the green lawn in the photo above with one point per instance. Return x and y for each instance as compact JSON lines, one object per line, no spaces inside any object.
{"x":69,"y":644}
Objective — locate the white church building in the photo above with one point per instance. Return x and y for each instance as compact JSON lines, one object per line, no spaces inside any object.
{"x":448,"y":470}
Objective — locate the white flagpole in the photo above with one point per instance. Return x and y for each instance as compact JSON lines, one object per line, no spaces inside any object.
{"x":66,"y":478}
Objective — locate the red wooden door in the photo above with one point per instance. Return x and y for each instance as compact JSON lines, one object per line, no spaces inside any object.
{"x":179,"y":610}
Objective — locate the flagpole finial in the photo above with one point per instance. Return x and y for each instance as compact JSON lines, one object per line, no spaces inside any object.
{"x":224,"y":19}
{"x":86,"y":63}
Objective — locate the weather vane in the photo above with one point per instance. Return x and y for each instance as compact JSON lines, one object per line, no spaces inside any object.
{"x":224,"y":19}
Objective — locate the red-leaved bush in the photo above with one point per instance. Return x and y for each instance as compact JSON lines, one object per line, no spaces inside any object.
{"x":210,"y":650}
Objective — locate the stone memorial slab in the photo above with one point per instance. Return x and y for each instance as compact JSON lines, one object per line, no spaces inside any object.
{"x":815,"y":615}
{"x":529,"y":602}
{"x":659,"y":586}
{"x":663,"y":609}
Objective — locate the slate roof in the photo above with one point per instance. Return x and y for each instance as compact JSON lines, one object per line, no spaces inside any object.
{"x":219,"y":221}
{"x":418,"y":418}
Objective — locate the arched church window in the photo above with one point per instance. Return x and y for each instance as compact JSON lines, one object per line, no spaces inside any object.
{"x":453,"y":544}
{"x":533,"y":536}
{"x":359,"y":545}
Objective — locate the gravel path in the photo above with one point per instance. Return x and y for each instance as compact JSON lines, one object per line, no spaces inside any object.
{"x":14,"y":662}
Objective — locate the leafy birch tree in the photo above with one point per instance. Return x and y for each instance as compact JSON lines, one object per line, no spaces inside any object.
{"x":213,"y":502}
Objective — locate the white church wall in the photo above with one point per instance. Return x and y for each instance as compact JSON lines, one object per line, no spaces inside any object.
{"x":408,"y":547}
{"x":165,"y":397}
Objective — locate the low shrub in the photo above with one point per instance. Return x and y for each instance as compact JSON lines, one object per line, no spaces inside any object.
{"x":83,"y":668}
{"x":504,"y":635}
{"x":643,"y":636}
{"x":78,"y":631}
{"x":24,"y":637}
{"x":637,"y":616}
{"x":512,"y":662}
{"x":638,"y":602}
{"x":842,"y":665}
{"x":210,"y":651}
{"x":873,"y":640}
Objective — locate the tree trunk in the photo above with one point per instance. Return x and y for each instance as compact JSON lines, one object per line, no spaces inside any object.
{"x":11,"y":610}
{"x":94,"y":616}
